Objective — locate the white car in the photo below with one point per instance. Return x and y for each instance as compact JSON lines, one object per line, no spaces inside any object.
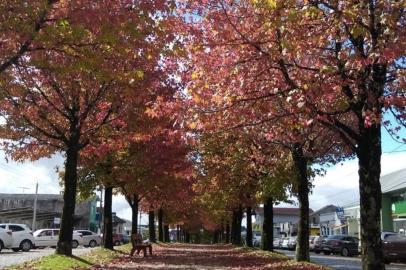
{"x":6,"y":239}
{"x":22,"y":236}
{"x":49,"y":238}
{"x":90,"y":239}
{"x":285,"y":243}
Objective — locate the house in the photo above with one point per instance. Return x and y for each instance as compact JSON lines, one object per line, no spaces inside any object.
{"x":18,"y":208}
{"x":118,"y":224}
{"x":285,"y":220}
{"x":326,"y":221}
{"x":393,"y":214}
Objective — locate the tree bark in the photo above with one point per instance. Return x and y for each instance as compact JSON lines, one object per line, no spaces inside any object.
{"x":160,"y":225}
{"x":108,"y":218}
{"x":167,"y":239}
{"x":227,"y":233}
{"x":302,"y":182}
{"x":133,"y":201}
{"x":151,"y":226}
{"x":64,"y":245}
{"x":233,"y":227}
{"x":267,"y":226}
{"x":369,"y":161}
{"x":249,"y":227}
{"x":215,"y":237}
{"x":237,"y":225}
{"x":187,"y":237}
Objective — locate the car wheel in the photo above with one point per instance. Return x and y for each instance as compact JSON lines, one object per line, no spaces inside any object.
{"x":92,"y":244}
{"x":26,"y":245}
{"x":317,"y":251}
{"x":344,"y":252}
{"x":15,"y":249}
{"x":1,"y":245}
{"x":326,"y":252}
{"x":117,"y":243}
{"x":75,"y":244}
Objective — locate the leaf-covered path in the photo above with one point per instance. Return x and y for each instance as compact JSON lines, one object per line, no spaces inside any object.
{"x":205,"y":257}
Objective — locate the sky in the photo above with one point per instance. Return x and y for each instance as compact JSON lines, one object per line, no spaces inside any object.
{"x":338,"y":186}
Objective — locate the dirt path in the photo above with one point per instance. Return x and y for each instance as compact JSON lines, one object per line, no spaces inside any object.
{"x":205,"y":257}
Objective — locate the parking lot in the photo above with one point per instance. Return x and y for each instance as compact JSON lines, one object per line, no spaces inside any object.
{"x":340,"y":262}
{"x":9,"y":257}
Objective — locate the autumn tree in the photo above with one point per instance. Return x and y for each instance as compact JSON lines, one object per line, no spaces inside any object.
{"x":342,"y":74}
{"x":20,"y":25}
{"x":61,"y":96}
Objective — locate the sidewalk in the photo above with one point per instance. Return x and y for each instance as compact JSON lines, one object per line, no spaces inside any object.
{"x":205,"y":257}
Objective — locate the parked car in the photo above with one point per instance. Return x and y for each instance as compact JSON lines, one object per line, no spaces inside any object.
{"x":118,"y":239}
{"x":277,"y":242}
{"x":311,"y":242}
{"x":340,"y":244}
{"x":6,"y":239}
{"x":394,"y":248}
{"x":49,"y":238}
{"x":292,"y":243}
{"x":21,"y":236}
{"x":384,"y":235}
{"x":285,"y":242}
{"x":317,"y":244}
{"x":89,"y":238}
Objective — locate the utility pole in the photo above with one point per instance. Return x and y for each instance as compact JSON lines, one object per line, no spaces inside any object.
{"x":34,"y":218}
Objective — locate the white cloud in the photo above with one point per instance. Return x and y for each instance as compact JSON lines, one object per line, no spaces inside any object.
{"x":340,"y":184}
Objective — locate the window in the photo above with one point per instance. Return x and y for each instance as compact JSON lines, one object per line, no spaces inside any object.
{"x":85,"y":233}
{"x":46,"y":233}
{"x":396,"y":237}
{"x":3,"y":226}
{"x":16,"y":228}
{"x":56,"y":232}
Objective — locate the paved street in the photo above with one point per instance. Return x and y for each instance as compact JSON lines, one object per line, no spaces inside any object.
{"x":341,"y":263}
{"x":9,"y":257}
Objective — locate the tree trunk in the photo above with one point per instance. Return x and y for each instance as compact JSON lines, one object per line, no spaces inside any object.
{"x":108,"y":218}
{"x":133,"y":201}
{"x":302,"y":182}
{"x":237,"y":225}
{"x":267,"y":226}
{"x":166,"y":234}
{"x":233,"y":226}
{"x":64,"y":245}
{"x":187,"y":237}
{"x":151,"y":226}
{"x":248,"y":238}
{"x":369,"y":161}
{"x":160,"y":225}
{"x":227,"y":233}
{"x":221,"y":236}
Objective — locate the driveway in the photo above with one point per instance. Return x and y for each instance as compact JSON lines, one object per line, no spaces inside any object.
{"x":9,"y":257}
{"x":341,"y":263}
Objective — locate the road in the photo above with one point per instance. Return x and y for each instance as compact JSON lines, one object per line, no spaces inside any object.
{"x":341,"y":263}
{"x":9,"y":257}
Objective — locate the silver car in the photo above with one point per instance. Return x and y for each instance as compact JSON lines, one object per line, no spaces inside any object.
{"x":90,"y":239}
